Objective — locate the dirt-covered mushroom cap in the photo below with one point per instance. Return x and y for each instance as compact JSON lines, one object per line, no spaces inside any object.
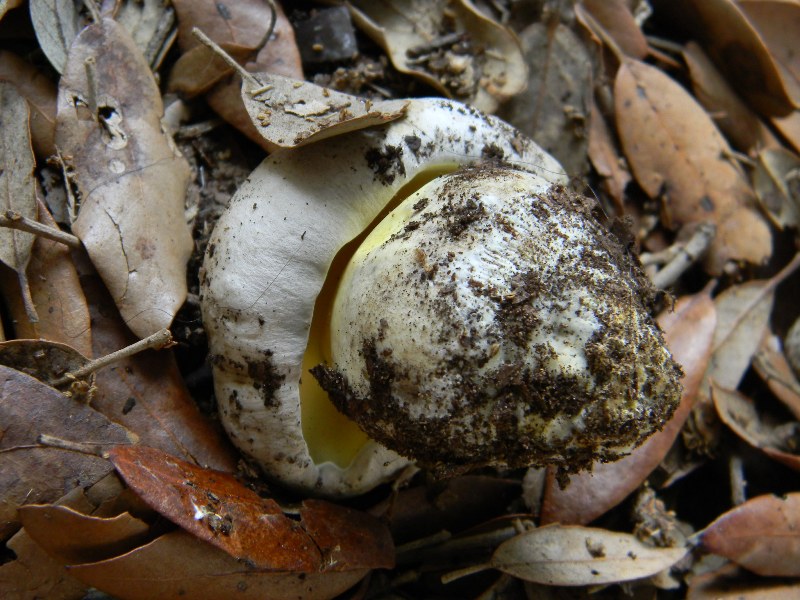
{"x":271,"y":286}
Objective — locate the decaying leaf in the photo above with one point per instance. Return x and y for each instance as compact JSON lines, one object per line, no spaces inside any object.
{"x":17,"y":191}
{"x":151,"y":24}
{"x":789,"y":127}
{"x":740,"y":414}
{"x":679,"y":157}
{"x":56,"y":23}
{"x":615,"y":17}
{"x":731,"y":582}
{"x":47,"y":361}
{"x":554,"y":107}
{"x":241,"y":24}
{"x":216,"y":508}
{"x":762,"y":535}
{"x":572,"y":555}
{"x":40,"y":92}
{"x":776,"y":179}
{"x":604,"y":154}
{"x":451,"y":46}
{"x":689,"y":331}
{"x":735,"y":119}
{"x":32,"y":472}
{"x":146,"y":392}
{"x":771,"y":365}
{"x":290,"y":113}
{"x":130,"y":176}
{"x":177,"y":565}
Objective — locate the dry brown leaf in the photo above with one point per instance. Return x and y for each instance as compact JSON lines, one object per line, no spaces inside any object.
{"x":604,"y":154}
{"x":290,"y":113}
{"x":6,"y":5}
{"x":31,"y":472}
{"x":689,"y":331}
{"x":178,"y":565}
{"x":56,"y":293}
{"x":762,"y":535}
{"x":789,"y":127}
{"x":739,"y":413}
{"x":151,"y":24}
{"x":451,"y":46}
{"x":776,"y":179}
{"x":75,"y":538}
{"x":571,"y":555}
{"x":56,"y":23}
{"x":615,"y":17}
{"x":730,"y":582}
{"x":40,"y":93}
{"x":679,"y":157}
{"x":554,"y":107}
{"x":130,"y":176}
{"x":771,"y":365}
{"x":243,"y":23}
{"x":47,"y":361}
{"x":146,"y":392}
{"x":735,"y":47}
{"x":216,"y":508}
{"x":17,"y":191}
{"x":201,"y":68}
{"x":734,"y":118}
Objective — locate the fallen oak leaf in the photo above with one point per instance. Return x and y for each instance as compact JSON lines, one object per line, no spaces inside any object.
{"x":762,"y":535}
{"x":131,"y":178}
{"x":218,"y":509}
{"x":771,"y":365}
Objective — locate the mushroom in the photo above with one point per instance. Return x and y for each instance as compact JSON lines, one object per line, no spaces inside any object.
{"x":426,"y":291}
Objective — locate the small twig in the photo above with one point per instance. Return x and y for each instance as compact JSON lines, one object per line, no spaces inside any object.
{"x":93,"y":11}
{"x":14,"y":220}
{"x":91,"y":84}
{"x":157,"y":341}
{"x":27,"y":299}
{"x":273,"y":20}
{"x":243,"y":73}
{"x":738,"y":481}
{"x":686,"y":256}
{"x":82,"y":447}
{"x":458,"y":574}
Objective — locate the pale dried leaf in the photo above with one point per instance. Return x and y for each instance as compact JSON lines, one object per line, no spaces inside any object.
{"x":740,"y":414}
{"x":572,"y":555}
{"x":762,"y":535}
{"x":179,"y":565}
{"x":451,"y":46}
{"x":734,"y":118}
{"x":151,"y":24}
{"x":771,"y":365}
{"x":776,"y":179}
{"x":290,"y":113}
{"x":56,"y":23}
{"x":131,"y":178}
{"x":554,"y":107}
{"x":679,"y":157}
{"x":17,"y":187}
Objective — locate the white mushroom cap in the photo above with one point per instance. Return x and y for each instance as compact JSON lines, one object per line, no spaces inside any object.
{"x":270,"y":253}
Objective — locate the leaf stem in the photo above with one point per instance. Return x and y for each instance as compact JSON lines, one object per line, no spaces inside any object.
{"x":14,"y":220}
{"x":245,"y":75}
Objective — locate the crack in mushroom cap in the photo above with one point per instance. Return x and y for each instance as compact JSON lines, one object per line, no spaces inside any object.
{"x":491,"y":320}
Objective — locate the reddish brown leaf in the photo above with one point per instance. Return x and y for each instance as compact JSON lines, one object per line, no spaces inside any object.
{"x":771,"y":365}
{"x":146,"y":392}
{"x":217,"y":508}
{"x":762,"y":535}
{"x":74,"y":538}
{"x":243,"y":23}
{"x":605,"y":157}
{"x":30,"y":472}
{"x":40,"y":92}
{"x":678,"y":156}
{"x":178,"y":565}
{"x":731,"y":582}
{"x":616,"y":19}
{"x":689,"y":331}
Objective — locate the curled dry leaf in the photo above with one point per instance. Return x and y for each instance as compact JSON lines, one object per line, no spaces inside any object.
{"x":771,"y":365}
{"x":131,"y":178}
{"x":605,"y":158}
{"x":734,"y":118}
{"x":679,"y":157}
{"x":31,"y":472}
{"x":216,"y":508}
{"x":451,"y":46}
{"x":736,"y":48}
{"x":776,"y":179}
{"x":146,"y":392}
{"x":151,"y":24}
{"x":240,"y":25}
{"x":290,"y":113}
{"x":554,"y":107}
{"x":689,"y":331}
{"x":572,"y":555}
{"x":56,"y":293}
{"x":740,"y":414}
{"x":179,"y":565}
{"x":762,"y":535}
{"x":40,"y":93}
{"x":73,"y":538}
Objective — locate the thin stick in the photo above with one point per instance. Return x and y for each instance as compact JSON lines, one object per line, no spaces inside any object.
{"x":226,"y":57}
{"x":14,"y":220}
{"x":158,"y":340}
{"x":50,"y":441}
